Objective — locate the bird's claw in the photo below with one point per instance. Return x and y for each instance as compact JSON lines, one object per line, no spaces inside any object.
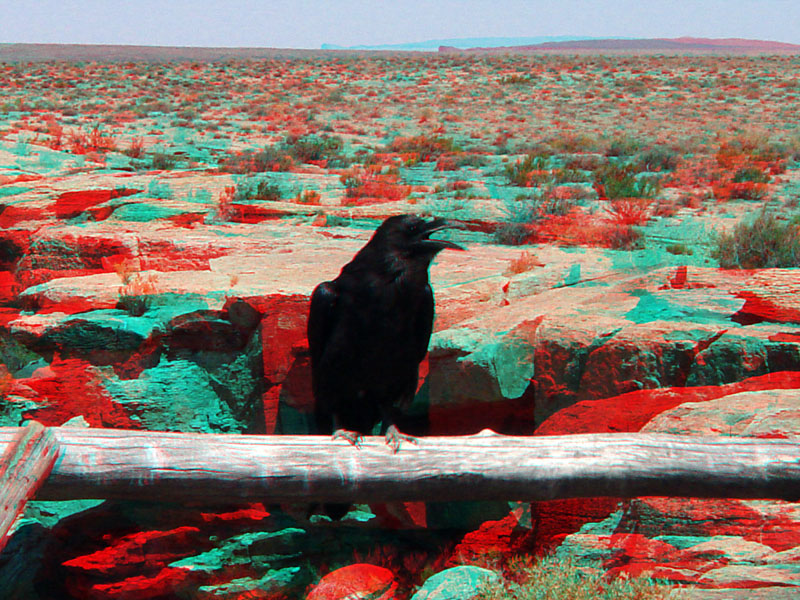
{"x":353,"y":437}
{"x":394,"y":438}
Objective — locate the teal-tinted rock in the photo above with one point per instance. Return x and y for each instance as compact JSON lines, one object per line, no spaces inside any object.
{"x":258,"y":549}
{"x":12,"y":190}
{"x":142,"y":212}
{"x":109,"y":329}
{"x":174,"y":396}
{"x":458,"y":583}
{"x":50,"y":512}
{"x":274,"y":579}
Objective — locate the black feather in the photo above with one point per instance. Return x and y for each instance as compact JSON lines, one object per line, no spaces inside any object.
{"x":369,"y":329}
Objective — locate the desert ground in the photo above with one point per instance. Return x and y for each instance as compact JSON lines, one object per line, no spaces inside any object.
{"x":631,"y":226}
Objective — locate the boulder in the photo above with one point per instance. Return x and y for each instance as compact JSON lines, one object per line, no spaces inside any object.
{"x":357,"y":581}
{"x":456,"y":583}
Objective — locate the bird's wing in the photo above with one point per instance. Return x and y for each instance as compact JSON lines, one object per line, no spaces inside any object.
{"x":321,"y":316}
{"x":424,"y":324}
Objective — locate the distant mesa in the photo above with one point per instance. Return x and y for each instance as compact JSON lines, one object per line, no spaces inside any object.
{"x":508,"y":45}
{"x":682,"y":45}
{"x":461,"y":43}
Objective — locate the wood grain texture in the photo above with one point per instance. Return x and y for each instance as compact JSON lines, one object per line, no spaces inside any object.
{"x":27,"y":459}
{"x":106,"y":463}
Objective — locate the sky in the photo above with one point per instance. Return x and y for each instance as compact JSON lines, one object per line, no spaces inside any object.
{"x":310,"y":23}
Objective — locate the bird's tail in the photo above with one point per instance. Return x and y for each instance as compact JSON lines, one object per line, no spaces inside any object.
{"x":335,"y":511}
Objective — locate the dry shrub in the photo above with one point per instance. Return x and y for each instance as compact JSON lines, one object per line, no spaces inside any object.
{"x":526,"y":261}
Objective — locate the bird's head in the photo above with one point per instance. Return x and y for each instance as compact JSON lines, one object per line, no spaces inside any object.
{"x":410,"y":235}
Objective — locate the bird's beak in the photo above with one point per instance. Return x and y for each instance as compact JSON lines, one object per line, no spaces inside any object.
{"x":437,"y":245}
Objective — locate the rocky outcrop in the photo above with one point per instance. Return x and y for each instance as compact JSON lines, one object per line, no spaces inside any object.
{"x":135,"y":327}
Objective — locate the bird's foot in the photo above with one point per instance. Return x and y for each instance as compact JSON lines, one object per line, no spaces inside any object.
{"x":394,"y":438}
{"x":353,"y":437}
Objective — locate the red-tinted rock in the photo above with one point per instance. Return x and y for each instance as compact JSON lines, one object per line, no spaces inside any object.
{"x":71,"y":388}
{"x":356,"y":582}
{"x":632,"y":411}
{"x":71,"y":204}
{"x":140,"y":551}
{"x":168,"y":582}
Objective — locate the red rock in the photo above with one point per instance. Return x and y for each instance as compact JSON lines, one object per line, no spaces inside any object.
{"x":285,"y":352}
{"x":168,"y":582}
{"x":772,"y":524}
{"x":553,"y":520}
{"x":637,"y":546}
{"x":496,"y":538}
{"x":632,"y":411}
{"x":71,"y":204}
{"x":71,"y":389}
{"x":142,"y":550}
{"x":764,"y":413}
{"x":750,"y":576}
{"x":356,"y":582}
{"x":9,"y":288}
{"x":770,"y":295}
{"x":254,"y":512}
{"x":15,"y":214}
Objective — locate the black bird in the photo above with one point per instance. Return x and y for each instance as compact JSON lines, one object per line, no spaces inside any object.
{"x":369,"y":329}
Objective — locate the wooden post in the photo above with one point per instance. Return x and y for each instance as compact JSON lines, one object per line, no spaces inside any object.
{"x":24,"y":466}
{"x":181,"y":467}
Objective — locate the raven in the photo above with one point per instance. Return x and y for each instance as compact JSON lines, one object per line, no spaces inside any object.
{"x":369,"y":328}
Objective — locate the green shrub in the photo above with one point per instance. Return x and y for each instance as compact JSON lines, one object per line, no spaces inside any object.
{"x":161,"y":161}
{"x":622,"y":146}
{"x":753,"y":174}
{"x":312,"y":147}
{"x":257,"y":189}
{"x":569,"y":175}
{"x":621,"y":181}
{"x":623,"y":236}
{"x":428,"y":148}
{"x":657,"y":158}
{"x":269,"y":158}
{"x":512,"y":234}
{"x":679,"y":248}
{"x":524,"y":212}
{"x":528,"y":171}
{"x":517,"y":79}
{"x":764,"y":242}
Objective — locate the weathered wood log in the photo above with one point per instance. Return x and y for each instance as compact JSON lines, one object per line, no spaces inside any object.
{"x":107,"y":463}
{"x":26,"y":461}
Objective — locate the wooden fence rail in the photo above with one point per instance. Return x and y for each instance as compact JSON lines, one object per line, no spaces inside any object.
{"x":107,"y":463}
{"x":25,"y":463}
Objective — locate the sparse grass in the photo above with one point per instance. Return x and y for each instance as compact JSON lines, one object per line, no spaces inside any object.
{"x":135,"y":149}
{"x":135,"y":294}
{"x":161,"y":161}
{"x":552,"y":578}
{"x":269,"y":158}
{"x":159,"y":189}
{"x":424,"y":147}
{"x":761,"y":243}
{"x":679,"y":248}
{"x":517,"y":79}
